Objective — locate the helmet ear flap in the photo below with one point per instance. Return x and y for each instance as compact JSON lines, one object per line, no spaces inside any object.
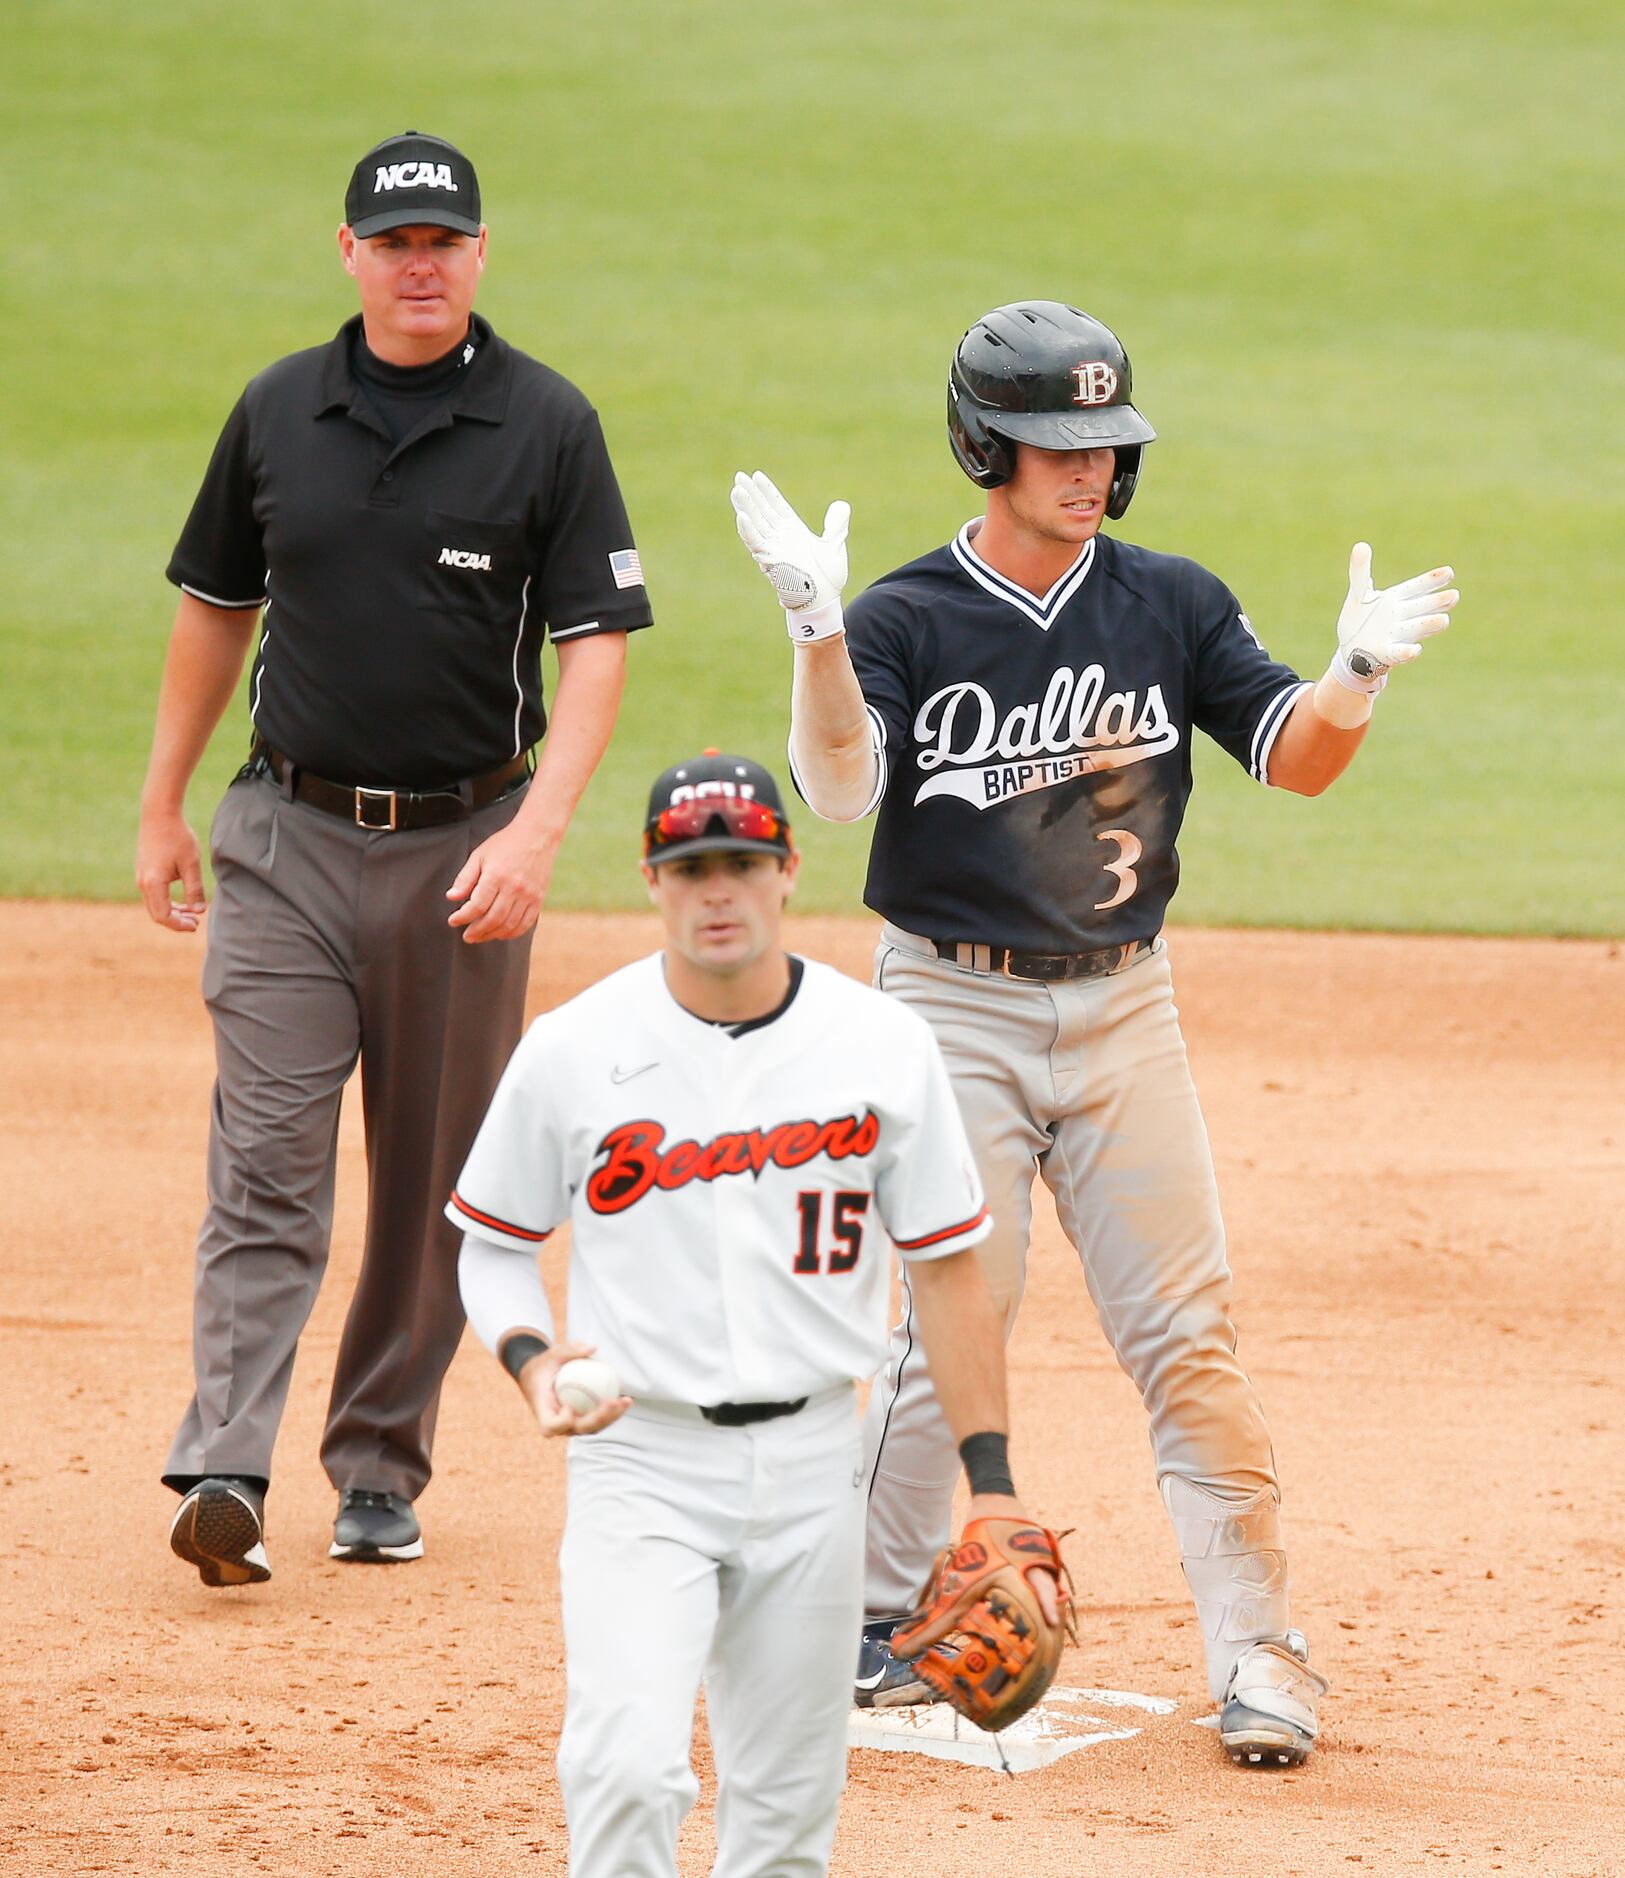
{"x":1126,"y":475}
{"x":1001,"y":458}
{"x":984,"y":457}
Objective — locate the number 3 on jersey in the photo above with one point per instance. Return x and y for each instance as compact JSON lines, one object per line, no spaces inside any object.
{"x":846,"y":1221}
{"x":1129,"y":850}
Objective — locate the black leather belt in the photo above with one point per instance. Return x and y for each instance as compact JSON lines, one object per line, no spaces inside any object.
{"x":385,"y":810}
{"x":737,"y":1414}
{"x":1047,"y":968}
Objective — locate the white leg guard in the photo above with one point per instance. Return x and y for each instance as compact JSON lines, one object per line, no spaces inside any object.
{"x":1235,"y":1565}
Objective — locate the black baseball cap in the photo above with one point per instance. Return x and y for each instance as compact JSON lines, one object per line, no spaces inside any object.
{"x":413,"y":179}
{"x":714,"y":803}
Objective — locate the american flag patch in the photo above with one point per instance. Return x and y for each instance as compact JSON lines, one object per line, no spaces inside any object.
{"x":626,"y":567}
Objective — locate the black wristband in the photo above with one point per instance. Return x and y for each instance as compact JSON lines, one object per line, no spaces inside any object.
{"x":518,"y":1349}
{"x":987,"y":1462}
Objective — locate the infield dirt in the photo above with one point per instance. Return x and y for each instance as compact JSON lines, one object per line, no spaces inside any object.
{"x":1420,"y":1151}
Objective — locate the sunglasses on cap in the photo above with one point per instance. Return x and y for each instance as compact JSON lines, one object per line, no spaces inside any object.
{"x":741,"y":818}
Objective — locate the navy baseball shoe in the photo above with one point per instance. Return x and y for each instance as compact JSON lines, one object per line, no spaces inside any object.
{"x":219,"y":1527}
{"x":375,"y":1528}
{"x":884,"y":1680}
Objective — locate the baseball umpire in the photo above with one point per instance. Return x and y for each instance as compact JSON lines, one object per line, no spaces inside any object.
{"x":737,"y":1138}
{"x":414,"y":505}
{"x":1019,"y":706}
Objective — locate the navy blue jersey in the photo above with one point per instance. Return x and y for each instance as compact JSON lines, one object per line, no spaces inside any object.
{"x":1037,"y":752}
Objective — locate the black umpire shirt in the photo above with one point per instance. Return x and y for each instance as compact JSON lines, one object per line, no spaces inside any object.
{"x":408,"y":584}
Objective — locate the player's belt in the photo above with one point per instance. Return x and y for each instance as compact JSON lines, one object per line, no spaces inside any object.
{"x":384,"y":810}
{"x":739,"y":1414}
{"x":1047,"y":968}
{"x":736,"y":1414}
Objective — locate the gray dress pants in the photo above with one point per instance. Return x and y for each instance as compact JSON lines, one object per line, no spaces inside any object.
{"x":328,"y":943}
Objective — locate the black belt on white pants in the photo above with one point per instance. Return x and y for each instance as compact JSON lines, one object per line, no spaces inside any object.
{"x":735,"y":1414}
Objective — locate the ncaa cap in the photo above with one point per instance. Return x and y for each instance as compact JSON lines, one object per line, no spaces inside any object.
{"x":714,"y":803}
{"x":413,"y":179}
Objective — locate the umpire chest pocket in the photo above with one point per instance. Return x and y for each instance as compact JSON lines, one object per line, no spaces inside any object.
{"x":473,"y":567}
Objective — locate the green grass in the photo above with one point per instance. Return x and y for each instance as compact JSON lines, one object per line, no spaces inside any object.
{"x":1366,"y":261}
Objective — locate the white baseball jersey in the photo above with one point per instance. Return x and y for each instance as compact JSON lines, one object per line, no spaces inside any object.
{"x":732,"y":1193}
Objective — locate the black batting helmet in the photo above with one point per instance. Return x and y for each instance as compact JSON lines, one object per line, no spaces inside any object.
{"x":1041,"y":372}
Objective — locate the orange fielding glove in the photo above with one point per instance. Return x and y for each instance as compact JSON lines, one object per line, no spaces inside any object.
{"x":982,"y":1643}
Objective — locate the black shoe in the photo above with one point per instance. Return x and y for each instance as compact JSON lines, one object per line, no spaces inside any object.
{"x":219,"y":1527}
{"x":883,"y":1680}
{"x":375,"y":1528}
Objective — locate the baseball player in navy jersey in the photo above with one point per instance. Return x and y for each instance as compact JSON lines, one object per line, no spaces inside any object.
{"x":1018,"y":706}
{"x":736,"y":1139}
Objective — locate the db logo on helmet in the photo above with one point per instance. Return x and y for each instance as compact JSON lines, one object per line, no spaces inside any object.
{"x":1096,"y":382}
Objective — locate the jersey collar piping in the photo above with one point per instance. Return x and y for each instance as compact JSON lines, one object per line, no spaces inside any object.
{"x":484,"y":397}
{"x":740,"y":1027}
{"x":1042,"y":613}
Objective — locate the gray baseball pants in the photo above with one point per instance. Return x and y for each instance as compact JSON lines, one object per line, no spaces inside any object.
{"x":1086,"y":1084}
{"x":328,"y":943}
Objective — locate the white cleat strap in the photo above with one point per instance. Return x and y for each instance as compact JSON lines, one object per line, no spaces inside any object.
{"x":1270,"y":1680}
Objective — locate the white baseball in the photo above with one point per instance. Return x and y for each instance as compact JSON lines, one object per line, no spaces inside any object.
{"x":584,"y":1382}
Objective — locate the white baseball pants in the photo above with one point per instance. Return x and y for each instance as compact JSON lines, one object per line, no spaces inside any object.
{"x":732,"y":1554}
{"x":1088,"y":1083}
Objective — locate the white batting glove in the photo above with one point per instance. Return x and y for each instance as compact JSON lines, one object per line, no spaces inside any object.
{"x":808,"y":571}
{"x":1382,"y":627}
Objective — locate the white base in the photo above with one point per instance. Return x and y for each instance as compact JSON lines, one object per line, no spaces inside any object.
{"x":1065,"y":1721}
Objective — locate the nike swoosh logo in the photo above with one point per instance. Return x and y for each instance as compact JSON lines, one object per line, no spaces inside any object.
{"x":869,"y":1682}
{"x":618,"y":1075}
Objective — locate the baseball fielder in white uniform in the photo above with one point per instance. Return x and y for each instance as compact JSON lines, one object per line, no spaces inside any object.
{"x":736,"y":1138}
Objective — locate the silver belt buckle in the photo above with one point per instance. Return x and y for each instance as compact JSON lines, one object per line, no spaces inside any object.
{"x":363,"y":797}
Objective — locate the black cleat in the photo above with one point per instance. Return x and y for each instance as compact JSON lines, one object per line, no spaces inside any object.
{"x":884,"y":1680}
{"x":375,"y":1528}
